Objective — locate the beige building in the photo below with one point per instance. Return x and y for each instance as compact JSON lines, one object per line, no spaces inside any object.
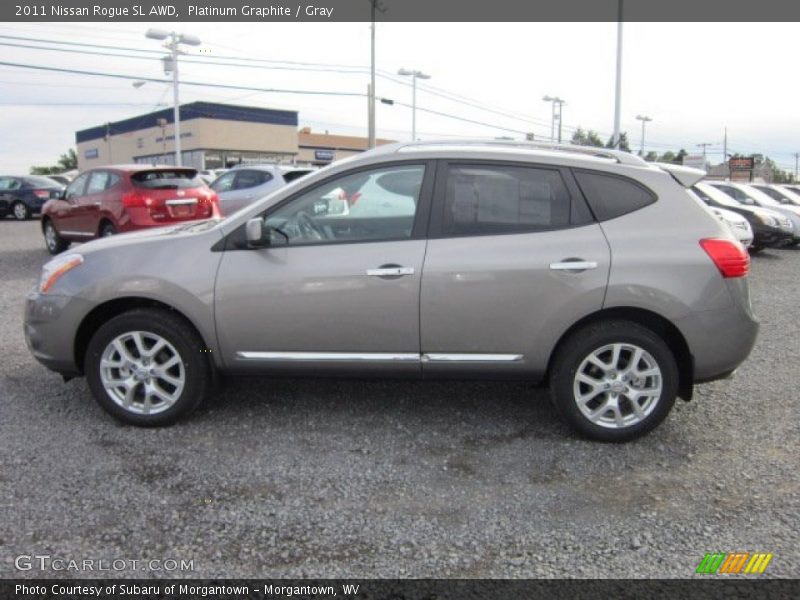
{"x":213,"y":136}
{"x":322,"y":148}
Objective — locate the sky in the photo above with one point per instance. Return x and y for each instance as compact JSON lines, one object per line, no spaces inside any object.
{"x":693,"y":79}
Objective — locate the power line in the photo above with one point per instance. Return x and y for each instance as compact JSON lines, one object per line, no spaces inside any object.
{"x":196,"y":83}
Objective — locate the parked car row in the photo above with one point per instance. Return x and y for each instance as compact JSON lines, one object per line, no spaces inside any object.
{"x":774,"y":224}
{"x":588,"y":270}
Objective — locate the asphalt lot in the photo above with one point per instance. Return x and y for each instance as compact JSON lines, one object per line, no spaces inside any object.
{"x":399,"y":479}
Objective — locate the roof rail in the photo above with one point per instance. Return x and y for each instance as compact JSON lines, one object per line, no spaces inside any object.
{"x":624,"y":158}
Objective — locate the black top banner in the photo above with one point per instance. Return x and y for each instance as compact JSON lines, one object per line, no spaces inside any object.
{"x":253,"y":11}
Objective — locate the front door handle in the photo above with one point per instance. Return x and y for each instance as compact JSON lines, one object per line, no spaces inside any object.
{"x":390,"y":271}
{"x":573,"y":265}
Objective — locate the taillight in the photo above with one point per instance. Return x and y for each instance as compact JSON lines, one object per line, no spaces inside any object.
{"x":42,"y":194}
{"x":730,"y":257}
{"x":136,"y":200}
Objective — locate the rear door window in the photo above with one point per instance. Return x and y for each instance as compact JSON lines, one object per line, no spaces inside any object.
{"x":495,"y":199}
{"x":611,"y":196}
{"x":167,"y":179}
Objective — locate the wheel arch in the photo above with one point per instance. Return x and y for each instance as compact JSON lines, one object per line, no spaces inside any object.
{"x":653,"y":321}
{"x":102,"y":313}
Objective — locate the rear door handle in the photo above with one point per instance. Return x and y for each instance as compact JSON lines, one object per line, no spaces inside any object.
{"x":573,"y":265}
{"x":390,"y":271}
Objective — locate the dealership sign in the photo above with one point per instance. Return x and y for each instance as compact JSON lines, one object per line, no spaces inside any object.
{"x":742,"y":163}
{"x":323,"y":154}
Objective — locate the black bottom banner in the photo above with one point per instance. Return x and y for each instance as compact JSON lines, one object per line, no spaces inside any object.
{"x":396,"y":589}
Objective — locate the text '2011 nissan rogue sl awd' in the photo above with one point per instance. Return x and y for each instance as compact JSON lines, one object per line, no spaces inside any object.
{"x":588,"y":270}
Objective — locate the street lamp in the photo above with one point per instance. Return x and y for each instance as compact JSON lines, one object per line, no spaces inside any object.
{"x":555,"y":100}
{"x":414,"y":76}
{"x":171,"y":64}
{"x":644,"y":119}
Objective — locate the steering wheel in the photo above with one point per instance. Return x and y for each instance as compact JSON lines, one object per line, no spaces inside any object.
{"x":305,"y":227}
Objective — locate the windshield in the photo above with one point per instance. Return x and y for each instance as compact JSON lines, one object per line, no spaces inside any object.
{"x":167,"y":179}
{"x":760,"y":197}
{"x":717,"y":196}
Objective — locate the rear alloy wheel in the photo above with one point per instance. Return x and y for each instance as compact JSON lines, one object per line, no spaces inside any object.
{"x":54,"y":242}
{"x":107,"y":230}
{"x":147,"y":367}
{"x":614,"y":381}
{"x":21,"y":212}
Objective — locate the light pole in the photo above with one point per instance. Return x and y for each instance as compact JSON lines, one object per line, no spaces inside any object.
{"x":171,"y":63}
{"x":414,"y":76}
{"x":644,"y":119}
{"x":555,"y":100}
{"x":374,"y":5}
{"x":618,"y":88}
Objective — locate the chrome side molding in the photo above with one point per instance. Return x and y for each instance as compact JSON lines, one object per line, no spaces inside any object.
{"x":574,"y":265}
{"x":366,"y":356}
{"x":380,"y":356}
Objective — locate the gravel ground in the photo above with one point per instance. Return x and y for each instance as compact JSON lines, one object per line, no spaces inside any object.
{"x":399,"y":479}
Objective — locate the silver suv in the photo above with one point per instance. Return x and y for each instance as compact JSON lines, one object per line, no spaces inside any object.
{"x":585,"y":269}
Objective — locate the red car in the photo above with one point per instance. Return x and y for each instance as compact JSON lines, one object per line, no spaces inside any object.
{"x":115,"y":199}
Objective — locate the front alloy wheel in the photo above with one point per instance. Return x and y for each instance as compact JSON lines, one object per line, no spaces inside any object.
{"x":148,"y":367}
{"x":614,"y":380}
{"x":142,"y":372}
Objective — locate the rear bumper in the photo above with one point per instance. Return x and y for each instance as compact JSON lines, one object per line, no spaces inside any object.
{"x":720,"y":340}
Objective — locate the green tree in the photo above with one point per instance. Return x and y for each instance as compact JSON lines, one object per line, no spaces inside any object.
{"x":651,"y":156}
{"x":586,"y":138}
{"x":679,"y":156}
{"x":66,"y":162}
{"x":623,"y":142}
{"x":667,"y":157}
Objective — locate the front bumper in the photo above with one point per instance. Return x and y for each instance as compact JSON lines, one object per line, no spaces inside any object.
{"x":50,"y":327}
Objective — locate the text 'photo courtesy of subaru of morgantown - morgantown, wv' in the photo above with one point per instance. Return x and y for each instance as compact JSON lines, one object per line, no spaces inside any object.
{"x":618,"y":283}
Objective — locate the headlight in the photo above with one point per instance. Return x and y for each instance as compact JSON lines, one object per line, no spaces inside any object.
{"x":766,"y":219}
{"x":57,"y":267}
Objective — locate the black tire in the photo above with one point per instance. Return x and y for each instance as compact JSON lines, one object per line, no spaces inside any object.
{"x":190,"y":349}
{"x":55,"y":243}
{"x":106,"y":229}
{"x":755,"y":249}
{"x":20,"y":211}
{"x":571,"y":354}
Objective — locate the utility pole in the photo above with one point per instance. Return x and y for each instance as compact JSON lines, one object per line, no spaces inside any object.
{"x":374,"y":5}
{"x":704,"y":145}
{"x":725,"y":147}
{"x":618,"y":94}
{"x":796,"y":157}
{"x":644,"y":119}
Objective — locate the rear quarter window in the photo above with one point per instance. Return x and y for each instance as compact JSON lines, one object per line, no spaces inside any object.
{"x":611,"y":196}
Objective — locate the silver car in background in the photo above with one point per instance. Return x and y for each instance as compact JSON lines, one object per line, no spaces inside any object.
{"x":243,"y":185}
{"x":587,"y":270}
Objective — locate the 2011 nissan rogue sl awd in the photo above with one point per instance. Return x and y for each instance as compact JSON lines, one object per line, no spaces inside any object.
{"x":586,"y":269}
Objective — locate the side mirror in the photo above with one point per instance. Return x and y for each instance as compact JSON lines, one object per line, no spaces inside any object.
{"x":256,"y":233}
{"x":259,"y":235}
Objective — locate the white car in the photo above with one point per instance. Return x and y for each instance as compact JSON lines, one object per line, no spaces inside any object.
{"x":737,"y":224}
{"x":243,"y":185}
{"x":779,"y":193}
